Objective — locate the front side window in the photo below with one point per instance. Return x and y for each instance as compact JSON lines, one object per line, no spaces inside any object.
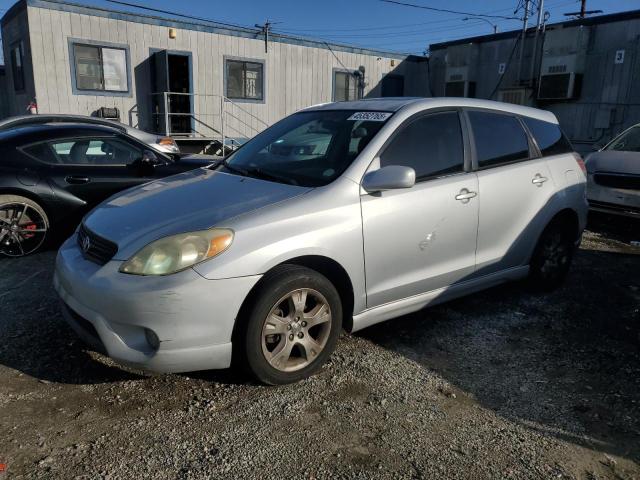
{"x":431,"y":145}
{"x":628,"y":141}
{"x":499,"y":138}
{"x":86,"y":151}
{"x":345,"y":87}
{"x":308,"y":148}
{"x":549,"y":137}
{"x":17,"y":66}
{"x":100,"y":68}
{"x":245,"y":80}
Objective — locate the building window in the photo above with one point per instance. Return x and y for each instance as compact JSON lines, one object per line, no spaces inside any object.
{"x":244,"y":80}
{"x":17,"y":66}
{"x":100,"y":68}
{"x":345,"y":86}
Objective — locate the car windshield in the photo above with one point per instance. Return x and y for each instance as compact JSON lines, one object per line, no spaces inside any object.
{"x":628,"y":141}
{"x":309,"y":149}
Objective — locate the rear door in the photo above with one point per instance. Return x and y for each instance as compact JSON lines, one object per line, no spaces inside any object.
{"x":515,"y":185}
{"x":422,"y":238}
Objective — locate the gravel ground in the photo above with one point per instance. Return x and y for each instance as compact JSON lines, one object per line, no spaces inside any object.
{"x":502,"y":384}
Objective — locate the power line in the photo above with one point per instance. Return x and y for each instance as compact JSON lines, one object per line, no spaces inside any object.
{"x":443,"y":10}
{"x":168,"y":12}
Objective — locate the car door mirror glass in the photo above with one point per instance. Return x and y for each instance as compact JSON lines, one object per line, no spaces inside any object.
{"x":391,"y":177}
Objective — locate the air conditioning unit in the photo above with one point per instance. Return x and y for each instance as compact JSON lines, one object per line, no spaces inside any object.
{"x":562,"y":64}
{"x":460,"y":89}
{"x":460,"y":75}
{"x":560,"y":86}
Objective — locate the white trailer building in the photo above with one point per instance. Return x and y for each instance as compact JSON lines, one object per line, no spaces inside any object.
{"x":185,"y":78}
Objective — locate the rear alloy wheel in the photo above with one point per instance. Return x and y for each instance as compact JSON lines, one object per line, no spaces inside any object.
{"x":293,"y":325}
{"x":23,"y":226}
{"x":551,"y":258}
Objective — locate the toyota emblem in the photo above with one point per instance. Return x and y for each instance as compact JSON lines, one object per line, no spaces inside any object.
{"x":86,"y":244}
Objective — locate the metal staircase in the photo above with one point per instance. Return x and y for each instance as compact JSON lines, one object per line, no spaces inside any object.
{"x":202,"y":123}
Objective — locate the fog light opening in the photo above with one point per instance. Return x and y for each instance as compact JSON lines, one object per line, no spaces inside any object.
{"x":152,"y":339}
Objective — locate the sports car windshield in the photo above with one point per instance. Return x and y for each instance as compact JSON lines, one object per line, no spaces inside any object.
{"x":628,"y":141}
{"x":309,"y":149}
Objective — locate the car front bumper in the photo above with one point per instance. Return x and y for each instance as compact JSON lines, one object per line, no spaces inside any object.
{"x":616,"y":201}
{"x":121,"y":314}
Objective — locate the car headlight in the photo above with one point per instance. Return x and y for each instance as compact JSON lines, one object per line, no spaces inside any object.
{"x":177,"y":252}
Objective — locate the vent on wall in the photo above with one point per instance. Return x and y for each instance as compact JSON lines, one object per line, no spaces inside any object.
{"x":516,"y":96}
{"x":557,"y":69}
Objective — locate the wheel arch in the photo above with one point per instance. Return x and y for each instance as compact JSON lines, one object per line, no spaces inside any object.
{"x":48,"y":209}
{"x":326,"y":266}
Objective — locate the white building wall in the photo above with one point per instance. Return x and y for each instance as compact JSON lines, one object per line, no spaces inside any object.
{"x":296,"y":76}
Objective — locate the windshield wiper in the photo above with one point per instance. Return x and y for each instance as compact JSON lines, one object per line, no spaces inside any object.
{"x":239,"y":171}
{"x":259,"y":173}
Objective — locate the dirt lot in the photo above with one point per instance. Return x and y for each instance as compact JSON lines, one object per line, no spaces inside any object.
{"x":503,"y":384}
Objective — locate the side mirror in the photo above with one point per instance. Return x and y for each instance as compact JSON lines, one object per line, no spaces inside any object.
{"x":391,"y":177}
{"x":150,"y":158}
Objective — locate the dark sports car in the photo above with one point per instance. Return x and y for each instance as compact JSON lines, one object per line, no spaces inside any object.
{"x":51,"y":175}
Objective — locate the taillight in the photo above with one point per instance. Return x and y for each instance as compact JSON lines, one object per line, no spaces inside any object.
{"x":581,"y":163}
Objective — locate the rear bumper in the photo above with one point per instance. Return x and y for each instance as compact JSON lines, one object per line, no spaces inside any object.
{"x":192,"y":317}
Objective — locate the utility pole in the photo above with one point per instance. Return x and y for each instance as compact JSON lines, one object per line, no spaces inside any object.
{"x":265,"y":30}
{"x":534,"y":53}
{"x":583,"y":8}
{"x":525,"y":25}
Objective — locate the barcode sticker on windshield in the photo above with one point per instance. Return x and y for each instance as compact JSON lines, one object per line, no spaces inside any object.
{"x":370,"y":116}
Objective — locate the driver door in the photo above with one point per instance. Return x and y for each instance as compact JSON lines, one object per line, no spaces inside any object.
{"x":94,"y":168}
{"x":421,"y":238}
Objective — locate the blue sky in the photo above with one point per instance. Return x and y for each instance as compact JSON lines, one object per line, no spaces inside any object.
{"x":370,"y":23}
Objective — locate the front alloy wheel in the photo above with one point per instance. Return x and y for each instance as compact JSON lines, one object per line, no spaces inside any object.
{"x":296,"y":330}
{"x":290,"y":326}
{"x":23,"y":226}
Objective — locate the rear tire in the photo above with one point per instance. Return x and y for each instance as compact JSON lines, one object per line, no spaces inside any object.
{"x":24,"y":226}
{"x":552,"y":257}
{"x":290,"y":327}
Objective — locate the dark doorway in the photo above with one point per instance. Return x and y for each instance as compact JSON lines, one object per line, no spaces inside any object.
{"x":392,"y":86}
{"x":171,"y":72}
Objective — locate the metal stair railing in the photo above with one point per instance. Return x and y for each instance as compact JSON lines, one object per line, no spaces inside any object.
{"x":215,"y":117}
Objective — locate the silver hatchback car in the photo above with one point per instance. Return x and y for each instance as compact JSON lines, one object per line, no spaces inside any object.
{"x":339,"y":216}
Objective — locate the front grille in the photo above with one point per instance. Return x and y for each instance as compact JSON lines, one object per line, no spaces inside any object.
{"x":95,"y":248}
{"x":617,"y":180}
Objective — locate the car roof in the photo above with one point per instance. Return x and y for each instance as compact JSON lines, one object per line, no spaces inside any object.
{"x":394,"y":104}
{"x":33,"y":133}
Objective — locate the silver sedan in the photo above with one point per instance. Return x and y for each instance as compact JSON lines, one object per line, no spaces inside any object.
{"x":339,"y":216}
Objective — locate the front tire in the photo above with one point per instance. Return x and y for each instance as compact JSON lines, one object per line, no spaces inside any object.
{"x":24,"y":226}
{"x":552,"y":257}
{"x":291,"y":325}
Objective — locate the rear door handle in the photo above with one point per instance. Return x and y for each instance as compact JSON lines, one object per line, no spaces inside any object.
{"x":465,"y":195}
{"x":77,"y":180}
{"x":539,"y":180}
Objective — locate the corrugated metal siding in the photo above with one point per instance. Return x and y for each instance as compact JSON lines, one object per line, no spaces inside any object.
{"x":295,"y":76}
{"x":609,"y":101}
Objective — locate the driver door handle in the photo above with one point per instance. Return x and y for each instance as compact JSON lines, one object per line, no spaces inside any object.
{"x":465,"y":195}
{"x":77,"y":180}
{"x":539,"y":180}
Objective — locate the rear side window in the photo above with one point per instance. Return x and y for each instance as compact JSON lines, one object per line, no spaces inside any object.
{"x":431,"y":145}
{"x":42,"y":152}
{"x":549,"y":137}
{"x":499,"y":138}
